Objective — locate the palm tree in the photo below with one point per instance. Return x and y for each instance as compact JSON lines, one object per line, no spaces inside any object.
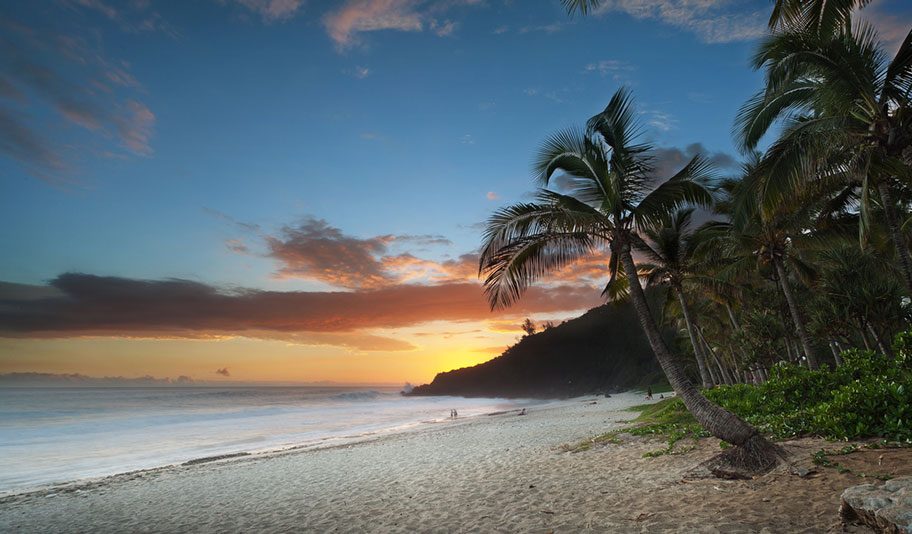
{"x":670,"y":254}
{"x":847,"y":113}
{"x":581,"y":6}
{"x":754,"y":235}
{"x":823,"y":17}
{"x":611,"y":197}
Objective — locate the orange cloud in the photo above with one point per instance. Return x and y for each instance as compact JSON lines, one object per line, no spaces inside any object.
{"x":314,"y":250}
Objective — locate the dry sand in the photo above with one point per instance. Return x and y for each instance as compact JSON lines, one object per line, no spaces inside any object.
{"x":500,"y":473}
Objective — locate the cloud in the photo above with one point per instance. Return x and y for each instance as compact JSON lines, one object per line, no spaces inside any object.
{"x":315,"y":250}
{"x":550,"y":95}
{"x":38,"y":155}
{"x":223,"y":371}
{"x":361,"y":72}
{"x":712,"y":21}
{"x":547,"y":28}
{"x":81,"y":305}
{"x":76,"y":379}
{"x":237,"y":246}
{"x":345,"y":24}
{"x":611,"y":67}
{"x":659,"y":119}
{"x":242,"y":225}
{"x":467,"y":139}
{"x":443,"y":29}
{"x":65,"y":76}
{"x":891,"y":27}
{"x":131,"y":17}
{"x":667,"y":161}
{"x":272,"y":10}
{"x":492,"y":195}
{"x":358,"y":16}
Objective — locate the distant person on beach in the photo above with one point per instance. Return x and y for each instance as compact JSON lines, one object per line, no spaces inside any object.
{"x":649,"y":393}
{"x":523,"y":412}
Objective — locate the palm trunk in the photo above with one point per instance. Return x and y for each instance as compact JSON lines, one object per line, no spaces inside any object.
{"x":796,"y":316}
{"x":838,"y":345}
{"x":718,"y":421}
{"x":879,"y":339}
{"x":902,"y":251}
{"x":698,"y":351}
{"x":864,"y":339}
{"x":737,"y":328}
{"x":837,"y":355}
{"x":722,"y":370}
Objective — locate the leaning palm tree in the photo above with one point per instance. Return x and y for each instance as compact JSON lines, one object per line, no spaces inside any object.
{"x":670,"y":253}
{"x":847,"y":113}
{"x":611,"y":197}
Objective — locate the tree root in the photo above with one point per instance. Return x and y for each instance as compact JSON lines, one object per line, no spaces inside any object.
{"x":755,"y":457}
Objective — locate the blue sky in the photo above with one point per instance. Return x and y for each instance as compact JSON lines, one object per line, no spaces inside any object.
{"x":292,"y":145}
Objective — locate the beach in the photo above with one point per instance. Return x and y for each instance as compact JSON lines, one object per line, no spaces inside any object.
{"x":488,"y":473}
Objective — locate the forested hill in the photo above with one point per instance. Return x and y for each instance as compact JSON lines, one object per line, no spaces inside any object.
{"x":604,"y":350}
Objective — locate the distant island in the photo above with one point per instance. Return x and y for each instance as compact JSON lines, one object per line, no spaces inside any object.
{"x":603,"y":351}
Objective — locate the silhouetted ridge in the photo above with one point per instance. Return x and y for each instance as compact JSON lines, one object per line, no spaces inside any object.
{"x":604,"y":350}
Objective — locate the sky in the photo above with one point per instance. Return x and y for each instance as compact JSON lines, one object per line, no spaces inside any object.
{"x":295,"y":190}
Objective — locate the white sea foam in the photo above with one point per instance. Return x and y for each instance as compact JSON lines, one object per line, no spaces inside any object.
{"x":52,"y":435}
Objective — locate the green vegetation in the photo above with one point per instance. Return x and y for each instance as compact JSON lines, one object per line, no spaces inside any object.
{"x":669,"y":420}
{"x":585,"y":445}
{"x":808,"y":254}
{"x":868,"y":395}
{"x":822,"y":457}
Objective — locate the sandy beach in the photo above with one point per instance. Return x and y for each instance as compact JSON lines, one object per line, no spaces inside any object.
{"x":493,"y":473}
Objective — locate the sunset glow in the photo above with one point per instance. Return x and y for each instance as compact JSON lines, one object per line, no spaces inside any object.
{"x":243,"y":191}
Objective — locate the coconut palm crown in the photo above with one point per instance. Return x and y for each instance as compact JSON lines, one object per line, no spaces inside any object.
{"x":846,"y":111}
{"x":610,"y":197}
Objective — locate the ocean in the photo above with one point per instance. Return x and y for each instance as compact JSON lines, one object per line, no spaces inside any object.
{"x":52,"y":435}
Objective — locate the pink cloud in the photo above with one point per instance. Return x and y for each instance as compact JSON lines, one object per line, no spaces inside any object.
{"x":135,"y":128}
{"x":357,"y":16}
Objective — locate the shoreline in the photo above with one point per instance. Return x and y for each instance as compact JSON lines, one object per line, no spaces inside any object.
{"x":328,"y":442}
{"x":492,"y":473}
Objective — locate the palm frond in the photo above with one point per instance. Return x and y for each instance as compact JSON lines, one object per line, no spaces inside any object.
{"x":688,"y":187}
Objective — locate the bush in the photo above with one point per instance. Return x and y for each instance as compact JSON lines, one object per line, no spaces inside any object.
{"x":869,"y":395}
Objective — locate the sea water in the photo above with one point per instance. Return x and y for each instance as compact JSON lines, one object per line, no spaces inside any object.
{"x":51,"y":435}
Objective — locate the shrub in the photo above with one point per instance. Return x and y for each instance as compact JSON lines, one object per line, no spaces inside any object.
{"x":869,"y":395}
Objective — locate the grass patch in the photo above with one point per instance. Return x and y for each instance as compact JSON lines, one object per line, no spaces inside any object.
{"x":667,"y":419}
{"x":585,"y":445}
{"x":666,"y":411}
